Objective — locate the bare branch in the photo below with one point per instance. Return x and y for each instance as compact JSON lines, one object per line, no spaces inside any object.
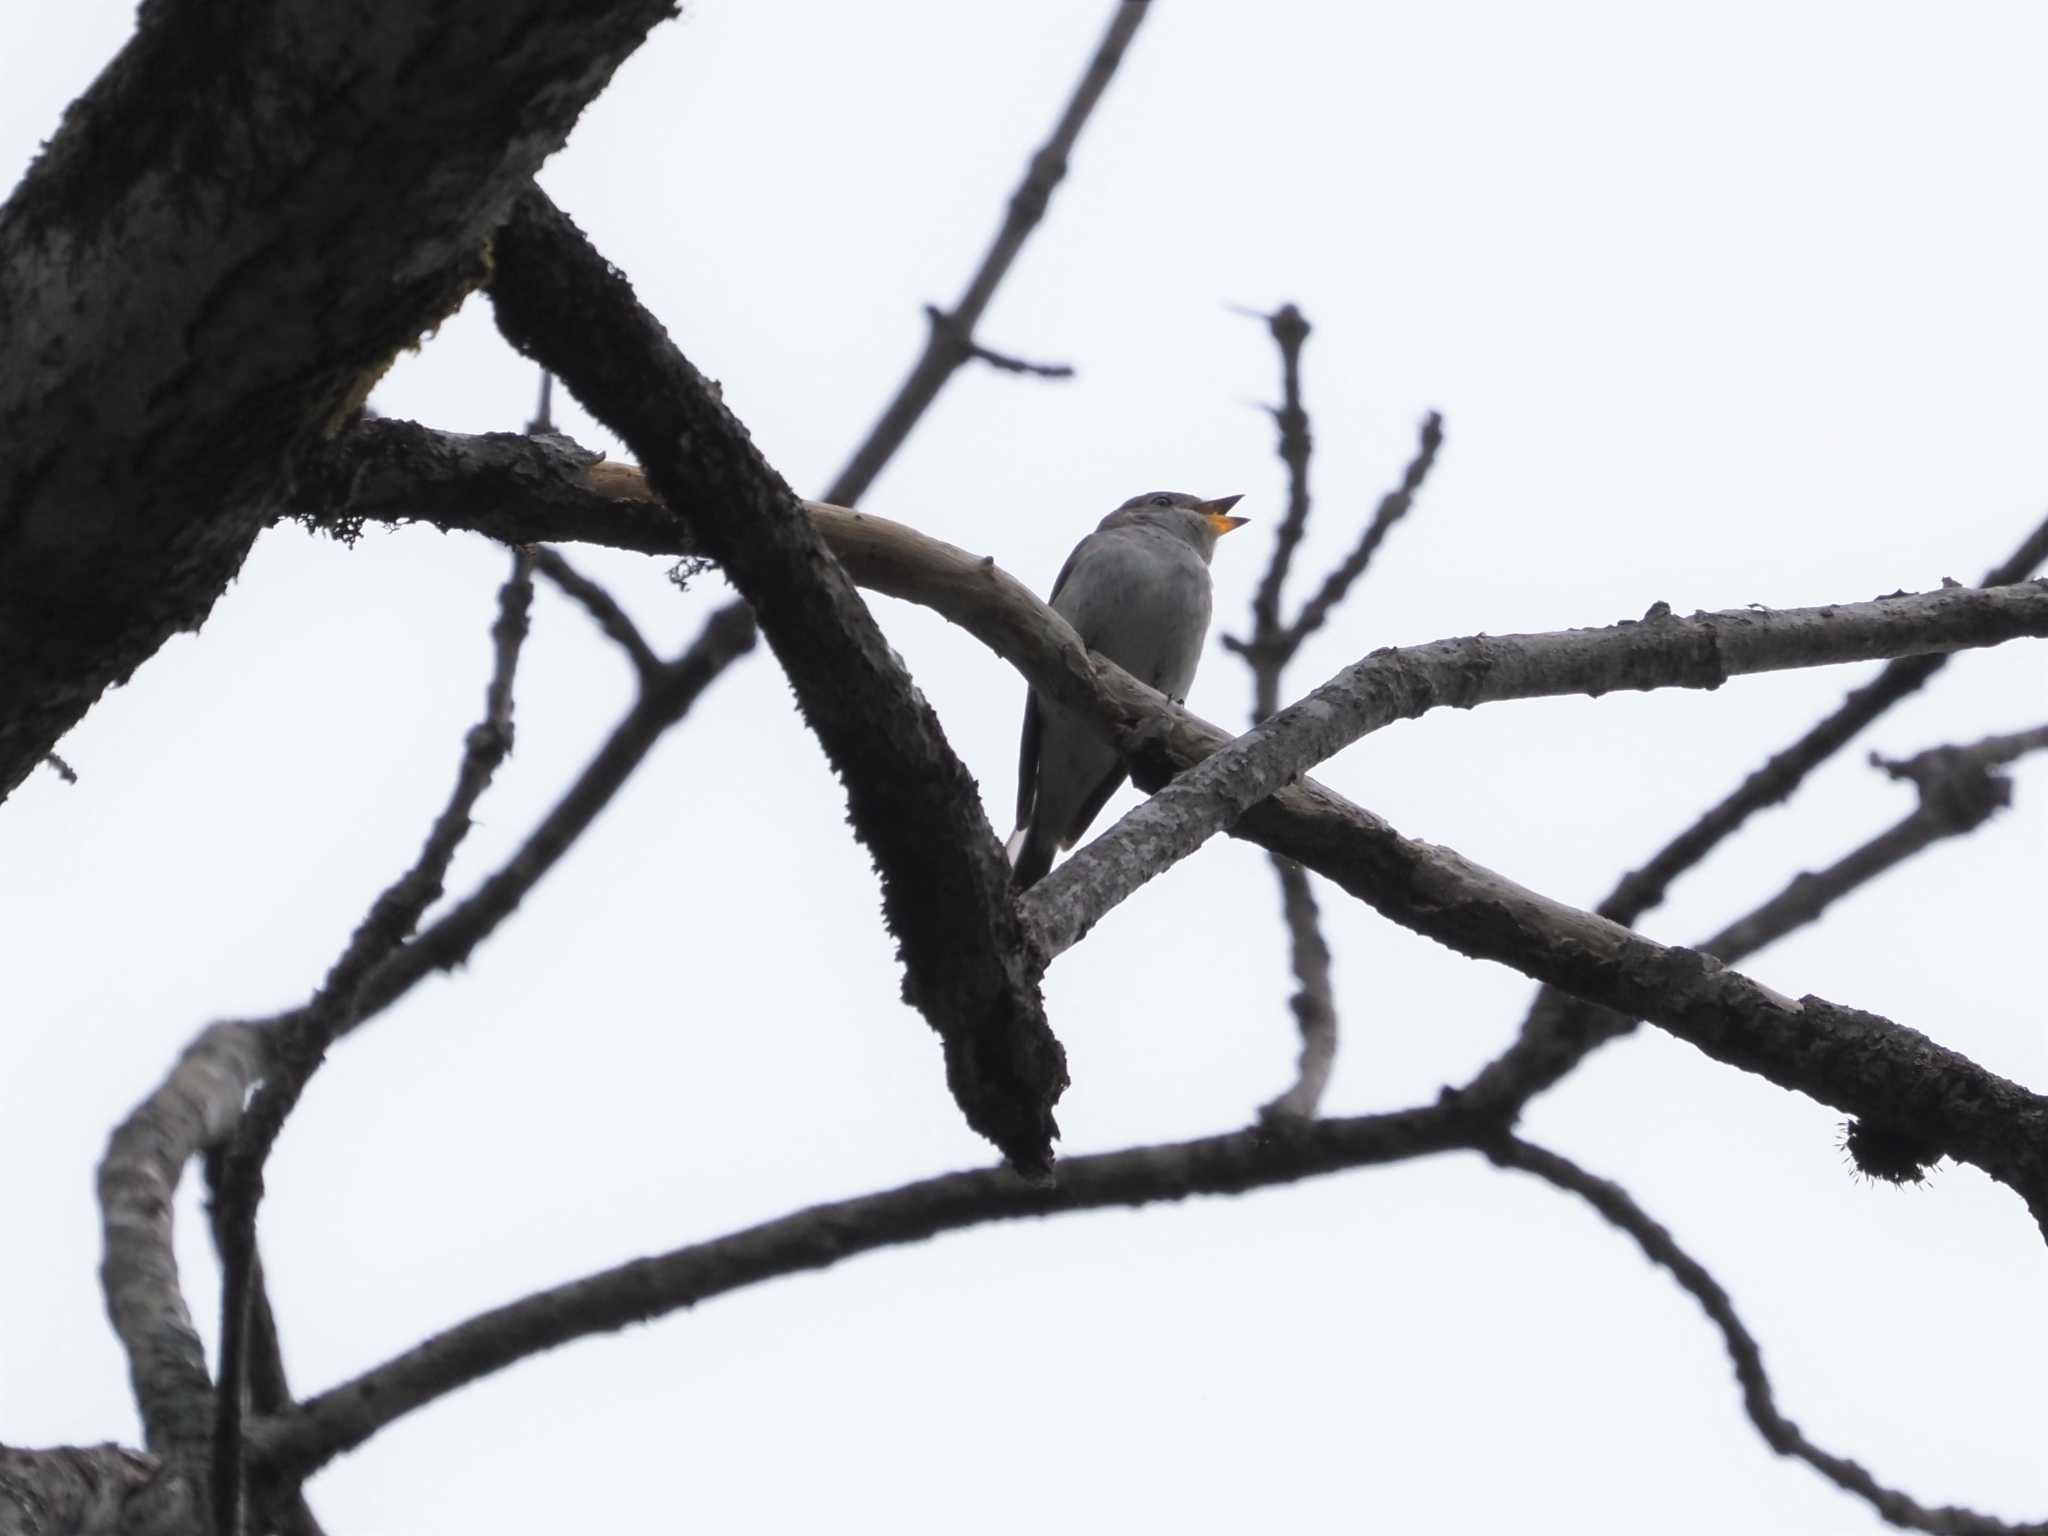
{"x":945,"y":884}
{"x":602,"y":607}
{"x":1644,"y":888}
{"x":1290,"y":330}
{"x":1958,"y":794}
{"x":1780,"y":1433}
{"x":728,"y":635}
{"x":950,"y":341}
{"x":1314,"y":1002}
{"x":1392,"y":508}
{"x":1266,"y":653}
{"x":1661,"y":651}
{"x":341,"y":1419}
{"x":197,"y":1106}
{"x":299,"y":1040}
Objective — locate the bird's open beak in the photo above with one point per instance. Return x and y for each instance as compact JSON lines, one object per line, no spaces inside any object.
{"x":1216,"y":512}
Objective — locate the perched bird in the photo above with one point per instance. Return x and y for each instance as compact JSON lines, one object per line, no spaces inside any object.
{"x":1137,"y":591}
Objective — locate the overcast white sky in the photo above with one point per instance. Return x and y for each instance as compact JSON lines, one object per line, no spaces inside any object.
{"x":1722,"y":305}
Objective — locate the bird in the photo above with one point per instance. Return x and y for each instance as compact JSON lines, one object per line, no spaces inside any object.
{"x":1136,"y":590}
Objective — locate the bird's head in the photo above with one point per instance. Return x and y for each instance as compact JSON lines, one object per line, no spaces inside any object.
{"x":1199,"y":522}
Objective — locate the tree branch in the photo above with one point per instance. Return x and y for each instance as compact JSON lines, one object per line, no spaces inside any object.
{"x":186,"y":291}
{"x":98,"y":1490}
{"x":1870,"y":1067}
{"x":1559,"y":1031}
{"x":945,"y":885}
{"x":1662,"y":651}
{"x":299,"y":1040}
{"x":950,"y":341}
{"x":664,"y":700}
{"x":197,"y":1106}
{"x":1266,"y":653}
{"x":1780,"y":1433}
{"x":1958,"y":794}
{"x":341,"y":1419}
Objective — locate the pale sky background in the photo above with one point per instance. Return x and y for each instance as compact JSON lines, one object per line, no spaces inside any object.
{"x":1722,"y":305}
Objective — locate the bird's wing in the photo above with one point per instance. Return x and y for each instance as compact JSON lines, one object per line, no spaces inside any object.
{"x":1091,"y":808}
{"x":1034,"y":718}
{"x":1027,"y":756}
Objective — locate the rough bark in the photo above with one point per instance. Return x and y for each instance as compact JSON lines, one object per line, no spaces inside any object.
{"x":248,"y":215}
{"x":945,"y":884}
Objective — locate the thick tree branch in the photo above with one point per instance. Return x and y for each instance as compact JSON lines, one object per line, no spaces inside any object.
{"x":945,"y":885}
{"x":950,"y":342}
{"x":189,"y":293}
{"x":1661,"y":651}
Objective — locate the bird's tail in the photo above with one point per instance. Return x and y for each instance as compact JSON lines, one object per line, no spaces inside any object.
{"x":1031,"y":853}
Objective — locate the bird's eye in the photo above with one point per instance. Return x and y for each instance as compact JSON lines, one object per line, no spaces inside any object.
{"x":1162,"y":500}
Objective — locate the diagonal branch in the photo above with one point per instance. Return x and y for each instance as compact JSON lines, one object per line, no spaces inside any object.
{"x":950,"y":342}
{"x":1393,"y":507}
{"x":1780,"y":1433}
{"x":1662,"y":651}
{"x":664,"y":700}
{"x":945,"y":885}
{"x":1958,"y":794}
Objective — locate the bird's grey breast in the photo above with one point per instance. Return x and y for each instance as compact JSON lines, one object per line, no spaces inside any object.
{"x":1140,"y":596}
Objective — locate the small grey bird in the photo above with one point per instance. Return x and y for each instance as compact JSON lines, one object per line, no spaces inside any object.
{"x":1137,"y":591}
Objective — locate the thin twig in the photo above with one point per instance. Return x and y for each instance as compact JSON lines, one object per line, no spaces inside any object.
{"x":1314,"y":1003}
{"x":544,"y":411}
{"x":950,"y":341}
{"x":728,"y":635}
{"x":1290,"y":331}
{"x":270,"y":1390}
{"x":62,"y":769}
{"x":601,"y":606}
{"x":1392,"y":508}
{"x":299,"y":1040}
{"x":1783,"y":1436}
{"x":1958,"y":794}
